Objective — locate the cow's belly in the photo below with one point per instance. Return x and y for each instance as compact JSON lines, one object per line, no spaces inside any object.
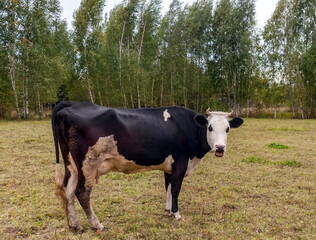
{"x":104,"y":157}
{"x":120,"y":164}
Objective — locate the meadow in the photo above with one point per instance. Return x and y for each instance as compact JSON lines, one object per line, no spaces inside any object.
{"x":263,"y":188}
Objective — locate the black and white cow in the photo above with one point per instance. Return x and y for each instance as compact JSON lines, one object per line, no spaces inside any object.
{"x":95,"y":140}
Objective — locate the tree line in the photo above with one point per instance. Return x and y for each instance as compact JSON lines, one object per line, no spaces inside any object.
{"x":205,"y":54}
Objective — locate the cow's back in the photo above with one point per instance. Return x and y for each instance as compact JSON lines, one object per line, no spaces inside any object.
{"x":145,"y":135}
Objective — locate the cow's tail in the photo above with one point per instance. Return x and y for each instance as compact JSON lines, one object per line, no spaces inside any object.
{"x":59,"y":191}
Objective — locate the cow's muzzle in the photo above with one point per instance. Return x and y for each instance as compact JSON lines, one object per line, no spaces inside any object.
{"x":219,"y":150}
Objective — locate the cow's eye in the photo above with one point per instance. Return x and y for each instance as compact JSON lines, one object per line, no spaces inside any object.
{"x":210,"y":128}
{"x":227,"y":130}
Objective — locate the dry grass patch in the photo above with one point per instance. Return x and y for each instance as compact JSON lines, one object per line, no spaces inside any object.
{"x":255,"y":159}
{"x":272,"y":195}
{"x":286,"y":129}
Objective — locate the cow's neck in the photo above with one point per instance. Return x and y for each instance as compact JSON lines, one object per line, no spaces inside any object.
{"x":204,"y":147}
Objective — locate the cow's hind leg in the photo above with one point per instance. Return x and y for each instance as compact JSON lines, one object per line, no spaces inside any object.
{"x":65,"y":189}
{"x":84,"y":199}
{"x":70,"y":203}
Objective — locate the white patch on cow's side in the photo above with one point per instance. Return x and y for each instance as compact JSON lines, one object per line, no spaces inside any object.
{"x":169,"y":198}
{"x":104,"y":157}
{"x":72,"y":162}
{"x":166,"y":115}
{"x":191,"y":165}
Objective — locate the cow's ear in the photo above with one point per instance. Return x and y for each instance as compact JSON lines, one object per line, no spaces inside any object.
{"x":200,"y":120}
{"x":236,"y":122}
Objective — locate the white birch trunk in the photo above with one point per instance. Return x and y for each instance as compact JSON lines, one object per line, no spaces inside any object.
{"x":124,"y":101}
{"x":12,"y":77}
{"x":138,"y":63}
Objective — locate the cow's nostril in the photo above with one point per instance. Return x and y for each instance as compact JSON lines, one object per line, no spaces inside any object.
{"x":219,"y":147}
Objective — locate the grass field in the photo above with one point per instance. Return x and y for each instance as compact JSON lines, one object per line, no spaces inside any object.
{"x":263,"y":188}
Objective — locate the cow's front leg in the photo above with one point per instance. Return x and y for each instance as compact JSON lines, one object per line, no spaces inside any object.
{"x":168,"y":191}
{"x":179,"y":169}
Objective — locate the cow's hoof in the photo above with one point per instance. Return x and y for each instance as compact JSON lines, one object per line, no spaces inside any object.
{"x":77,"y":229}
{"x":176,"y":215}
{"x":100,"y":230}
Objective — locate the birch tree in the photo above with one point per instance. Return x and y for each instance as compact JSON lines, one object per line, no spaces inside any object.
{"x":8,"y":21}
{"x":87,"y":21}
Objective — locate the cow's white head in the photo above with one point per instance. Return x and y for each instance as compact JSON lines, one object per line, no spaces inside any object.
{"x":218,"y":126}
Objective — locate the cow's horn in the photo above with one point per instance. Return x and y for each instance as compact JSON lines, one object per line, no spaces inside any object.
{"x":230,"y":113}
{"x":208,"y":112}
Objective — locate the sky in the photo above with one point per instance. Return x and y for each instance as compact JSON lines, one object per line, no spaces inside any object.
{"x":264,"y":9}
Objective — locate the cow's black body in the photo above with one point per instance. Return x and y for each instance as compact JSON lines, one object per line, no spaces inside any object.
{"x":142,"y":135}
{"x":146,"y":137}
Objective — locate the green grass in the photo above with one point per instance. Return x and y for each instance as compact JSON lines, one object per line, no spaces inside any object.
{"x":289,"y":163}
{"x":253,"y":192}
{"x":259,"y":160}
{"x":278,"y":146}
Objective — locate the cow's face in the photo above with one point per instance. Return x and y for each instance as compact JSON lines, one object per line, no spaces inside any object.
{"x":218,"y":126}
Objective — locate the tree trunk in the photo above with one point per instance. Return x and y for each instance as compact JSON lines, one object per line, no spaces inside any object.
{"x":184,"y":88}
{"x":292,"y":102}
{"x":131,"y":86}
{"x":11,"y":58}
{"x":233,"y":92}
{"x":90,"y":90}
{"x":152,"y":91}
{"x":302,"y":111}
{"x":99,"y":93}
{"x":161,"y":92}
{"x":171,"y":85}
{"x":138,"y":67}
{"x":11,"y":54}
{"x":88,"y":76}
{"x":123,"y":96}
{"x":38,"y":98}
{"x":26,"y":92}
{"x":248,"y":108}
{"x":275,"y":111}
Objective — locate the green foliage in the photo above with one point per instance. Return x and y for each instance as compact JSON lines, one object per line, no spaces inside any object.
{"x":234,"y":42}
{"x":277,"y":146}
{"x":308,"y":67}
{"x":62,"y":93}
{"x":38,"y":51}
{"x":205,"y":54}
{"x":289,"y":42}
